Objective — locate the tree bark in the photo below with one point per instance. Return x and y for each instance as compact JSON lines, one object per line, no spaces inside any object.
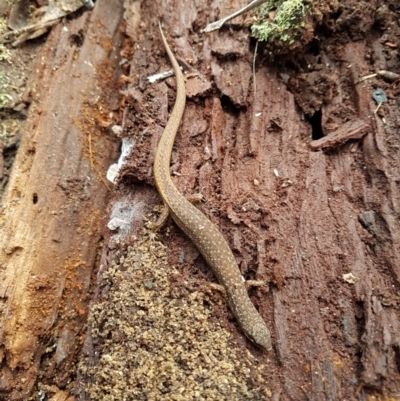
{"x":53,"y":209}
{"x":300,"y":173}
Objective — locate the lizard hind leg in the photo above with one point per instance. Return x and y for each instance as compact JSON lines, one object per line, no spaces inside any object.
{"x":164,"y":212}
{"x":162,"y":218}
{"x":254,"y":283}
{"x":247,"y":283}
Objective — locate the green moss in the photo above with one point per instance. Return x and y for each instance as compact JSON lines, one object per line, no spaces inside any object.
{"x":287,"y":23}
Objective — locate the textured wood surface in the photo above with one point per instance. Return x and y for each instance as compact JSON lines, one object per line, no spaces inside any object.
{"x":300,"y":218}
{"x":54,"y":205}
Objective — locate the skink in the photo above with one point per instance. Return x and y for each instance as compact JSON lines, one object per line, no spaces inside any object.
{"x":204,"y":234}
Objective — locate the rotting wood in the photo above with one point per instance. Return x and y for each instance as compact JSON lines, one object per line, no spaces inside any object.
{"x":54,"y":206}
{"x":278,"y":204}
{"x":334,"y":340}
{"x":354,"y":129}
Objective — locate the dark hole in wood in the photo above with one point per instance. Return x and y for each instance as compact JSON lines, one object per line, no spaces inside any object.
{"x":396,"y":350}
{"x":228,"y":106}
{"x":314,"y":47}
{"x":316,"y":126}
{"x":35,"y":198}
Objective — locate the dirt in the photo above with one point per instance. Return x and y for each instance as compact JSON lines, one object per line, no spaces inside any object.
{"x":156,"y":339}
{"x":298,"y":166}
{"x":15,"y":69}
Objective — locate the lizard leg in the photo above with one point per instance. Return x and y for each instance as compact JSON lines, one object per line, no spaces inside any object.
{"x":195,"y":198}
{"x":216,"y":287}
{"x":248,"y":284}
{"x":164,"y":212}
{"x":162,"y":218}
{"x":254,"y":283}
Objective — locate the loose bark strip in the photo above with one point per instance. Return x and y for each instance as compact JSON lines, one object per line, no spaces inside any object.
{"x":351,"y":130}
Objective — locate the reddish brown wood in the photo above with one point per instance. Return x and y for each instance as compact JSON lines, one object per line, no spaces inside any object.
{"x":54,"y":204}
{"x":297,"y":217}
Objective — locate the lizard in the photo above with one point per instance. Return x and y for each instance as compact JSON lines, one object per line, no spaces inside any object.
{"x":203,"y":233}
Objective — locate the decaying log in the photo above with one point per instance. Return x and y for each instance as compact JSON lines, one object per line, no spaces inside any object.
{"x":54,"y":205}
{"x":321,"y":227}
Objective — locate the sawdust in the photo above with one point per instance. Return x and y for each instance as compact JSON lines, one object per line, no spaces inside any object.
{"x":157,"y":343}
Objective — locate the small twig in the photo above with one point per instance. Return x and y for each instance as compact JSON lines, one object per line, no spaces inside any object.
{"x":7,"y":36}
{"x":388,"y":75}
{"x":379,"y":106}
{"x":217,"y":24}
{"x":90,"y":151}
{"x":104,"y":182}
{"x":367,"y":77}
{"x":160,"y":76}
{"x":254,"y":69}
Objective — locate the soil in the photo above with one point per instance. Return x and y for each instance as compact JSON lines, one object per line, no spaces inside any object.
{"x":298,"y":167}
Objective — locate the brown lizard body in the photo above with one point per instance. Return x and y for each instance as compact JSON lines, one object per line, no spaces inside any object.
{"x":204,"y":234}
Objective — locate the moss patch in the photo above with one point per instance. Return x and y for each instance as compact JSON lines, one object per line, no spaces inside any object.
{"x":281,"y":20}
